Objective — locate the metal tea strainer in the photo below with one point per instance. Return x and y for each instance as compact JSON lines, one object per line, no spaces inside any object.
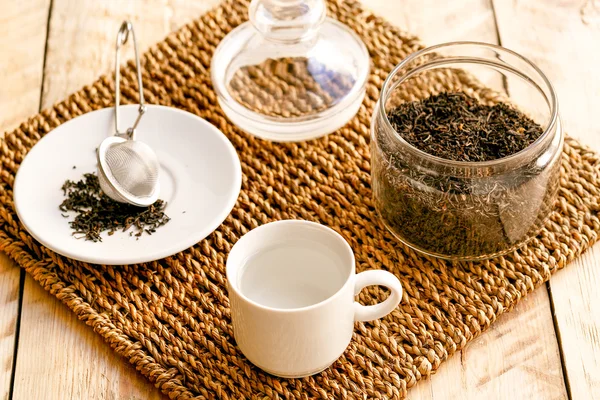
{"x":127,"y":168}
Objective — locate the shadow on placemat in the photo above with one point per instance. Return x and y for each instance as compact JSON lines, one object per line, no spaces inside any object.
{"x":171,"y":317}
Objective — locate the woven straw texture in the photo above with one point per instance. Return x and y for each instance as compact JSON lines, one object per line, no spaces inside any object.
{"x":171,"y":318}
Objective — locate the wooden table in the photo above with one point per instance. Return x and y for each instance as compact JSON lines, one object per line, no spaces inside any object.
{"x":547,"y":348}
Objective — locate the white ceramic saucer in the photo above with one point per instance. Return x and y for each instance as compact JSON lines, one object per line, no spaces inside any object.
{"x":200,"y":179}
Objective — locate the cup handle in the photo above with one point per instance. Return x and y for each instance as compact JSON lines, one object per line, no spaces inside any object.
{"x":377,"y":277}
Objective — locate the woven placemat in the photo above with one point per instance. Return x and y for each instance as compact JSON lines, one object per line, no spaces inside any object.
{"x":171,"y":318}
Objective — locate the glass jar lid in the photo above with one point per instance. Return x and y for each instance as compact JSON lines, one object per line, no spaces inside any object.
{"x":290,"y":73}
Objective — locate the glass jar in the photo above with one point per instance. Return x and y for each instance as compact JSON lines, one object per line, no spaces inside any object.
{"x":466,"y":210}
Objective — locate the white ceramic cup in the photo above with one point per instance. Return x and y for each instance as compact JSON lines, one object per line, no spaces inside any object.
{"x":291,"y":288}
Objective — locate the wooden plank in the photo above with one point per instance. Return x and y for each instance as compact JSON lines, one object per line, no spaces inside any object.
{"x":576,"y":298}
{"x":438,"y":22}
{"x":23,"y":28}
{"x":72,"y":361}
{"x":562,"y":38}
{"x":81,"y":45}
{"x":518,"y":357}
{"x":9,"y":304}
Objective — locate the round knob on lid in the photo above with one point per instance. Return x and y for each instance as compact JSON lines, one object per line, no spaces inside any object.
{"x":287,"y":20}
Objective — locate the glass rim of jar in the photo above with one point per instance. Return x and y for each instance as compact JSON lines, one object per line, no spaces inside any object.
{"x":526,"y":152}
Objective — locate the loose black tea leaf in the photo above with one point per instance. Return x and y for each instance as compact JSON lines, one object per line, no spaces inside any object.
{"x":461,"y":212}
{"x":97,"y":213}
{"x":457,"y":127}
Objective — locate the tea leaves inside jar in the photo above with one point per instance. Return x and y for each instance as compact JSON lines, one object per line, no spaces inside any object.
{"x":466,"y":215}
{"x":454,"y":126}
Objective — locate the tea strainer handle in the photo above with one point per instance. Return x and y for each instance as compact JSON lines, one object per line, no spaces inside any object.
{"x":122,"y":36}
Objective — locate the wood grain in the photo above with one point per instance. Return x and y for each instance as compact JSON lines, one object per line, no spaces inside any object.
{"x":81,"y":43}
{"x":9,"y":304}
{"x":436,"y":22}
{"x":576,"y":298}
{"x":23,"y":25}
{"x":22,"y":44}
{"x":562,"y":38}
{"x":518,"y":357}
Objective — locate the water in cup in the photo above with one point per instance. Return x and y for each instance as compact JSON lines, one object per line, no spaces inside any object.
{"x":292,"y":275}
